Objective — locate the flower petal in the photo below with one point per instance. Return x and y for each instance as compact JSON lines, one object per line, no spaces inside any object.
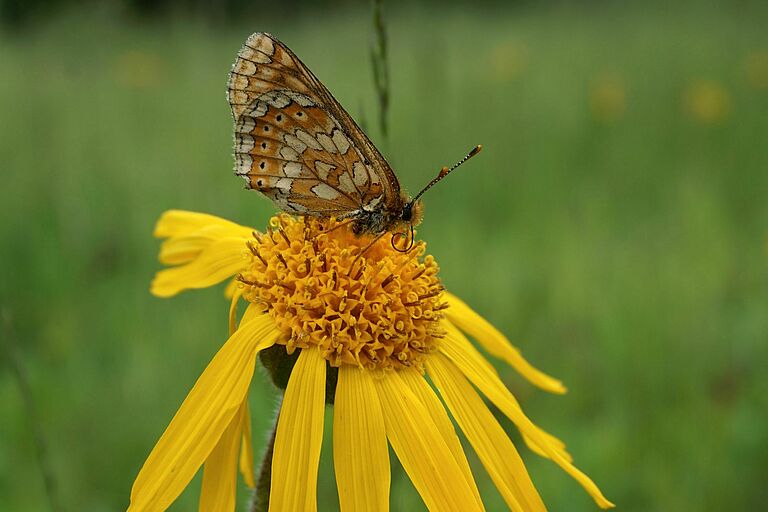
{"x":231,"y":288}
{"x":219,"y":471}
{"x":220,"y":260}
{"x":233,"y":310}
{"x":177,"y":223}
{"x":202,"y":418}
{"x":180,"y":250}
{"x":461,"y":352}
{"x":497,"y":344}
{"x":489,"y":440}
{"x":246,"y":450}
{"x":465,"y":349}
{"x":421,"y":449}
{"x":437,"y":412}
{"x":360,"y":452}
{"x":299,"y":437}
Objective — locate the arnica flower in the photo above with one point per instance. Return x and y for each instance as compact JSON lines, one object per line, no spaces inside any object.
{"x":366,"y":327}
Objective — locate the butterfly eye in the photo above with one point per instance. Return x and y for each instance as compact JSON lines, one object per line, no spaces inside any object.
{"x":407,"y":212}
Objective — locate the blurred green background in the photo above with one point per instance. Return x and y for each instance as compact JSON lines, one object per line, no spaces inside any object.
{"x":615,"y":226}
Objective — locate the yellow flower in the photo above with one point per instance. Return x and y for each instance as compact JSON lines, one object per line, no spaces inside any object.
{"x":379,"y":322}
{"x":508,"y":60}
{"x":707,"y":102}
{"x":608,"y":98}
{"x":135,"y":69}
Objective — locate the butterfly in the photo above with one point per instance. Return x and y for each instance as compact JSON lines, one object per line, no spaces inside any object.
{"x":297,"y":145}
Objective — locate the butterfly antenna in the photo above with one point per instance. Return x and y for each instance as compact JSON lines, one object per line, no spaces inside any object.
{"x":445,"y":171}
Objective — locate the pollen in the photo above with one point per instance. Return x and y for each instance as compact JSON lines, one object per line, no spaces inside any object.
{"x":358,"y":299}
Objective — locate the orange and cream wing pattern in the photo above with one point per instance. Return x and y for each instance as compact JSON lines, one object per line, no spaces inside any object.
{"x":295,"y":144}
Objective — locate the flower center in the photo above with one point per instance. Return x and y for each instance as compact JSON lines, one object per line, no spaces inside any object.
{"x":358,"y":299}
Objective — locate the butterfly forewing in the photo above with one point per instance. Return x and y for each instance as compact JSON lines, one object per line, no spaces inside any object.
{"x":295,"y":143}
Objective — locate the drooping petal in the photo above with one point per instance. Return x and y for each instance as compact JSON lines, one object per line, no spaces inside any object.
{"x":246,"y":449}
{"x":299,"y":437}
{"x":220,"y":469}
{"x":489,"y":440}
{"x":497,"y":344}
{"x":461,"y":352}
{"x":460,"y":346}
{"x":436,"y":411}
{"x":202,"y":418}
{"x":419,"y":445}
{"x":360,"y":452}
{"x":220,"y":260}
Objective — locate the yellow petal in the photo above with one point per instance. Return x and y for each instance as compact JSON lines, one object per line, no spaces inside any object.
{"x":246,"y":450}
{"x":202,"y":418}
{"x":436,"y":411}
{"x":182,"y":249}
{"x":497,"y":344}
{"x":220,"y":469}
{"x":182,"y":222}
{"x":217,"y":262}
{"x":251,"y":312}
{"x":489,"y":440}
{"x":458,"y":345}
{"x":299,"y":437}
{"x":233,"y":311}
{"x":477,"y":370}
{"x":231,"y":288}
{"x":421,"y":449}
{"x":360,"y":452}
{"x":556,"y":443}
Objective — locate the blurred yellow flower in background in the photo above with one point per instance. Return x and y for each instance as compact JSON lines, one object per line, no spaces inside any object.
{"x":507,"y":60}
{"x":379,"y":321}
{"x":136,"y":69}
{"x":608,"y":98}
{"x":707,"y":102}
{"x":756,"y":69}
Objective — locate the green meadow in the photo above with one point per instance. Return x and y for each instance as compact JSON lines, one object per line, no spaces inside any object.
{"x":615,"y":227}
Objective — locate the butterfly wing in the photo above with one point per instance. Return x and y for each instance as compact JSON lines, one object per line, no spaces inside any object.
{"x":296,"y":144}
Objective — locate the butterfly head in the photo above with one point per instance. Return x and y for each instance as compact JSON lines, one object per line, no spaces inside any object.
{"x":413,"y":212}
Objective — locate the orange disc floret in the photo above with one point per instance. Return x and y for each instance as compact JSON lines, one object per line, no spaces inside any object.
{"x":362,"y":302}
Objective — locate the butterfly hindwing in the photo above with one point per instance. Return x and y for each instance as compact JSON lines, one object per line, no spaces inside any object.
{"x":294,"y":142}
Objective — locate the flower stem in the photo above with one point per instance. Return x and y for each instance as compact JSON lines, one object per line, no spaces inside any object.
{"x":260,"y":499}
